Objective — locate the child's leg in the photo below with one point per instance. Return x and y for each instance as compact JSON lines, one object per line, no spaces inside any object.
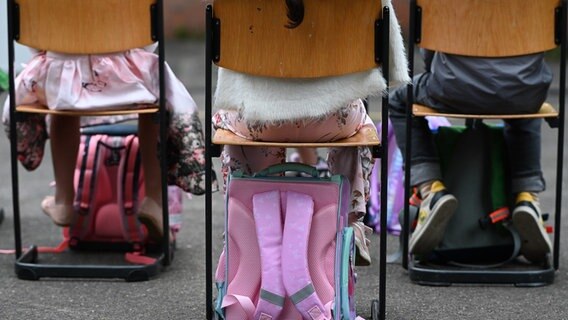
{"x":523,"y":142}
{"x":148,"y":132}
{"x":438,"y":205}
{"x":356,"y":164}
{"x":523,"y":137}
{"x":150,"y":210}
{"x":64,"y":140}
{"x":424,"y":157}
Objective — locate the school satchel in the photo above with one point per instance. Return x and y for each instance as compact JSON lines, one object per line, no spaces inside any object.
{"x":109,"y":184}
{"x":288,"y":251}
{"x":474,"y":167}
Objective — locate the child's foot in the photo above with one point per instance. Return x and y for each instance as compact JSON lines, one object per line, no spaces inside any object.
{"x":362,"y":254}
{"x":60,"y":214}
{"x":435,"y":212}
{"x":150,"y":215}
{"x":527,"y":219}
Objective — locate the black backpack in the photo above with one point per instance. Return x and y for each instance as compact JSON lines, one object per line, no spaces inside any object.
{"x":474,"y":167}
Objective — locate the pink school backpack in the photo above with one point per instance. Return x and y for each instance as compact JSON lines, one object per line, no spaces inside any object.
{"x":109,"y":184}
{"x":288,"y":252}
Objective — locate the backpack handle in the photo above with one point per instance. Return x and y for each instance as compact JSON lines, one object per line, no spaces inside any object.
{"x":288,"y":166}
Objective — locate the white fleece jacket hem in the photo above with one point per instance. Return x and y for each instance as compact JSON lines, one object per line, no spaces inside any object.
{"x":273,"y":99}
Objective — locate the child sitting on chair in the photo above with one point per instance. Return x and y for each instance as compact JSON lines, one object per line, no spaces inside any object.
{"x":102,"y":82}
{"x":457,"y":84}
{"x":269,"y":115}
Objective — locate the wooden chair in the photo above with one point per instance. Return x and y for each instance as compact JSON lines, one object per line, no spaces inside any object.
{"x":84,"y":27}
{"x":319,"y":47}
{"x":490,"y":29}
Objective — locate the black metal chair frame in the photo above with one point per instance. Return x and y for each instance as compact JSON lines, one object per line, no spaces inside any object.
{"x":27,"y":266}
{"x":427,"y":274}
{"x":213,"y":150}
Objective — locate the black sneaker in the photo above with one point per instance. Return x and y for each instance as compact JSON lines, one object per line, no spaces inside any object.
{"x":527,"y":219}
{"x":435,"y":212}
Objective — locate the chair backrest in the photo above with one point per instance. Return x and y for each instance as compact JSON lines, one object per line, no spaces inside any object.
{"x":488,"y":28}
{"x":85,"y":26}
{"x":336,"y":37}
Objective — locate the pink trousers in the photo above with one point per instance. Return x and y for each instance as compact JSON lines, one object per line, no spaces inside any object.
{"x":355,"y":163}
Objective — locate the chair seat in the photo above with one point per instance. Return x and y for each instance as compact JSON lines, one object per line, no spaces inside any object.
{"x":546,"y":111}
{"x":366,"y":136}
{"x":111,"y":112}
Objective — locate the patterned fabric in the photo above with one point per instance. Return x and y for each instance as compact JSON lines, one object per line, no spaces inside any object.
{"x":186,"y":154}
{"x":185,"y":147}
{"x":31,"y":134}
{"x":355,"y":163}
{"x":81,"y":82}
{"x":340,"y":124}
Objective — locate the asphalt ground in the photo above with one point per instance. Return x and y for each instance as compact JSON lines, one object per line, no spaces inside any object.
{"x":179,"y":291}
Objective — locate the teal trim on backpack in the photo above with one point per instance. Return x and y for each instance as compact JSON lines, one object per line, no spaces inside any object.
{"x":347,"y":248}
{"x":339,"y":243}
{"x":221,"y":292}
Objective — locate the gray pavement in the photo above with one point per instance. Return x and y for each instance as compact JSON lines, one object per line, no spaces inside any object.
{"x":178,"y":292}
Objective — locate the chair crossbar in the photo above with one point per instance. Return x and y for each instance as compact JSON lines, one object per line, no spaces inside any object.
{"x":366,"y":136}
{"x":545,"y":111}
{"x":111,"y":112}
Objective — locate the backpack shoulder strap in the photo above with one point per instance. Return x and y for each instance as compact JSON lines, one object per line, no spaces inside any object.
{"x":296,"y":275}
{"x":85,"y":186}
{"x":129,"y":186}
{"x":268,"y":223}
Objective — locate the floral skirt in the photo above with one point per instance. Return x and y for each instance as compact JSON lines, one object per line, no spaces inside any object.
{"x":103,"y":82}
{"x":355,"y":163}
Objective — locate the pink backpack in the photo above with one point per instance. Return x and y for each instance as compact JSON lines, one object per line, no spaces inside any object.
{"x":288,"y":251}
{"x":109,"y":184}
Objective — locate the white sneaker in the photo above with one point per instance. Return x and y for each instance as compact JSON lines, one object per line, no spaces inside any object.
{"x":362,"y":254}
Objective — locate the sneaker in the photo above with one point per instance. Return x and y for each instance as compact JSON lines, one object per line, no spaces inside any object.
{"x":435,"y":212}
{"x":362,"y":254}
{"x":322,"y":168}
{"x":527,"y":219}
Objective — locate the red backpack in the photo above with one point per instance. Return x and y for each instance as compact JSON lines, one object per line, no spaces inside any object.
{"x":109,"y":184}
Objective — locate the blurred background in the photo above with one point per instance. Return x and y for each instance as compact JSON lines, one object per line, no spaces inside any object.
{"x":186,"y":18}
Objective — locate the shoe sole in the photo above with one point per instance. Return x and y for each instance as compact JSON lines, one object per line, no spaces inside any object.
{"x":535,"y":243}
{"x":432,"y":233}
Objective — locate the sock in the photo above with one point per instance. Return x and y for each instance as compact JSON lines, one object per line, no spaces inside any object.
{"x":431,"y":186}
{"x":526,"y":196}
